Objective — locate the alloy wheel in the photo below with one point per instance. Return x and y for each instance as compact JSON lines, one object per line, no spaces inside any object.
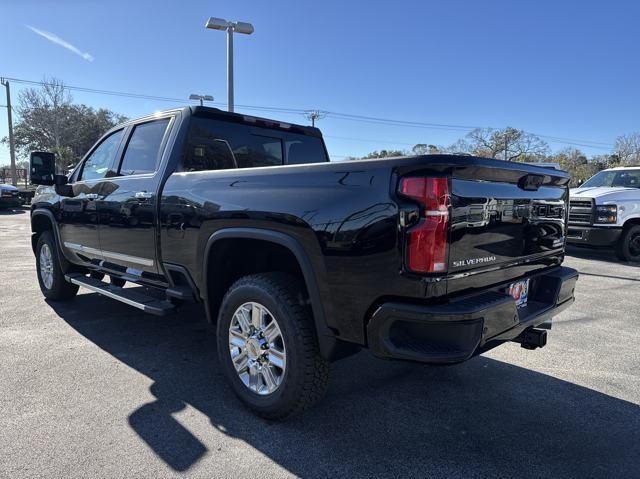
{"x":257,"y":348}
{"x":46,"y":266}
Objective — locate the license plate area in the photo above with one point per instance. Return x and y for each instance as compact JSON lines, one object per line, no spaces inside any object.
{"x":519,"y":291}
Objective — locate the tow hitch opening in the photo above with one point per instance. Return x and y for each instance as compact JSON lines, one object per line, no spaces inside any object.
{"x":532,"y":338}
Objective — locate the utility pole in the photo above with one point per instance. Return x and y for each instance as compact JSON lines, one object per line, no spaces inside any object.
{"x":12,"y":151}
{"x":314,"y":115}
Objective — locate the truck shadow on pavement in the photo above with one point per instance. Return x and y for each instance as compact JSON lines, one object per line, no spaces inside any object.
{"x":596,"y":254}
{"x":12,"y":211}
{"x":379,"y":419}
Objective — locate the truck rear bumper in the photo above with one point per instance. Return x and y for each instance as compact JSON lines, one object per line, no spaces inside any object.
{"x":466,"y":326}
{"x":593,"y":235}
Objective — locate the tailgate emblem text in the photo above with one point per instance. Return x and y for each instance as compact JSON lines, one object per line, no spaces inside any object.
{"x":473,"y":261}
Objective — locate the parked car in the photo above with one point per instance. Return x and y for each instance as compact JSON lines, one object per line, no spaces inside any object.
{"x":9,"y":196}
{"x":300,"y":261}
{"x":605,"y":211}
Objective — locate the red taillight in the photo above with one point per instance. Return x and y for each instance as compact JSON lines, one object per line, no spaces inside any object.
{"x":427,"y":241}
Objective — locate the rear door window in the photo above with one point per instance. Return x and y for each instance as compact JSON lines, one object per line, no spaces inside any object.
{"x":142,"y":153}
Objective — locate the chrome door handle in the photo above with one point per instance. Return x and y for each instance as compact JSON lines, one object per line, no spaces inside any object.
{"x":144,"y":195}
{"x":91,"y":196}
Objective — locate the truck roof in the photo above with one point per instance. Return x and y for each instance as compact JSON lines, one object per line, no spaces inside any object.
{"x":622,"y":168}
{"x":217,"y":114}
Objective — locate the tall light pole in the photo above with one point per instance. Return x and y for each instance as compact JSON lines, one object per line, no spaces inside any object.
{"x":230,"y":28}
{"x":12,"y":150}
{"x":202,"y":98}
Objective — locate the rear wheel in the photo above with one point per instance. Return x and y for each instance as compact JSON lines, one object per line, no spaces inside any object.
{"x":50,"y":275}
{"x":268,"y":348}
{"x":628,"y":247}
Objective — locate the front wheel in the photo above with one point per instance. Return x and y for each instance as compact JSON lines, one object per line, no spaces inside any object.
{"x":628,"y":247}
{"x":50,"y":275}
{"x":268,"y":348}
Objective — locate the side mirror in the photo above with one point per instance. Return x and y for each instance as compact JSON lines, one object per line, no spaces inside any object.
{"x":60,"y":180}
{"x":61,"y":187}
{"x":42,"y":167}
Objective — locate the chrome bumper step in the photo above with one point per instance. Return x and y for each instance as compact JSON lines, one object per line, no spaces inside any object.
{"x":148,"y":304}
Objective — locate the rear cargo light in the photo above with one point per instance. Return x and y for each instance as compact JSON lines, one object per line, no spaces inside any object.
{"x":428,"y":246}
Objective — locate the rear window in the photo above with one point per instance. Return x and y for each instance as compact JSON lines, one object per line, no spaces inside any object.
{"x":305,"y":150}
{"x":258,"y":150}
{"x":252,"y":146}
{"x":205,"y":152}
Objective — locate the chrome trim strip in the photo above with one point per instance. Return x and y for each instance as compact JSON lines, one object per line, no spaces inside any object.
{"x":109,"y":254}
{"x":107,"y":293}
{"x":82,"y":249}
{"x":128,"y":258}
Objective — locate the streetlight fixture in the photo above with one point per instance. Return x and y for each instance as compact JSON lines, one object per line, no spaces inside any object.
{"x":230,"y":28}
{"x":202,"y":98}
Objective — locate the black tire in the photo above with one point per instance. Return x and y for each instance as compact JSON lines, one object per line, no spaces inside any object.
{"x":306,"y":375}
{"x":117,"y":281}
{"x":628,"y":247}
{"x":58,"y":288}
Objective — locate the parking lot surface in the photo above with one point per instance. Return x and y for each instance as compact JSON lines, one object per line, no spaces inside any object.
{"x":92,"y":388}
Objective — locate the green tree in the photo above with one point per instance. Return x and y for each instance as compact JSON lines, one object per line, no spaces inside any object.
{"x":508,"y":144}
{"x":384,"y":154}
{"x":425,"y":149}
{"x":576,"y":163}
{"x":50,"y":121}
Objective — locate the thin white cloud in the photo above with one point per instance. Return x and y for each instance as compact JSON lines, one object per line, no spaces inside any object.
{"x":52,"y":37}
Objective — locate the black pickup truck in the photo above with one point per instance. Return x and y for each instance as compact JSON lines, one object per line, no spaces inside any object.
{"x":300,"y":261}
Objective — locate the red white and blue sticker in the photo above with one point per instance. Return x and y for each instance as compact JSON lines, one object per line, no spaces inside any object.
{"x":520,"y":292}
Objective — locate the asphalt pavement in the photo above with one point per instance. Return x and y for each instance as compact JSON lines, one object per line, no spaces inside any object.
{"x":95,"y":388}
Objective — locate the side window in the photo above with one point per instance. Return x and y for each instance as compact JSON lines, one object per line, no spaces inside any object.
{"x":259,"y":151}
{"x":98,"y":164}
{"x":205,"y":151}
{"x":142,"y":152}
{"x":627,"y":179}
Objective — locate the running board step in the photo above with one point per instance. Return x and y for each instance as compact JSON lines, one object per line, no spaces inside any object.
{"x":138,"y":300}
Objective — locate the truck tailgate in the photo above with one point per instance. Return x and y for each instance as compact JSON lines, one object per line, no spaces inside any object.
{"x":503,"y":217}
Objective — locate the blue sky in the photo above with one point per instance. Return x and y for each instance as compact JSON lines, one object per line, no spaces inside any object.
{"x":560,"y":68}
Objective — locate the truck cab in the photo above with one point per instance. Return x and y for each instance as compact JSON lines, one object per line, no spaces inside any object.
{"x":605,"y":212}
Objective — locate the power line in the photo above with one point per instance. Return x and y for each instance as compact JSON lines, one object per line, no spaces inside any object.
{"x":438,"y":126}
{"x":151,"y":97}
{"x":329,"y":114}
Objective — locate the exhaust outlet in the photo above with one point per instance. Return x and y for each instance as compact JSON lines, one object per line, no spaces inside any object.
{"x":532,"y":338}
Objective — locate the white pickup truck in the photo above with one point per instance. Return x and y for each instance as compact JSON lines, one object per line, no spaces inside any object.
{"x":605,"y":211}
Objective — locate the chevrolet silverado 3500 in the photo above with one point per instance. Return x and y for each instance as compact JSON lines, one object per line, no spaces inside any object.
{"x":299,"y":261}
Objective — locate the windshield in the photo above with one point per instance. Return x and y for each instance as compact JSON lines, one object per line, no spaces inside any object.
{"x":615,"y":178}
